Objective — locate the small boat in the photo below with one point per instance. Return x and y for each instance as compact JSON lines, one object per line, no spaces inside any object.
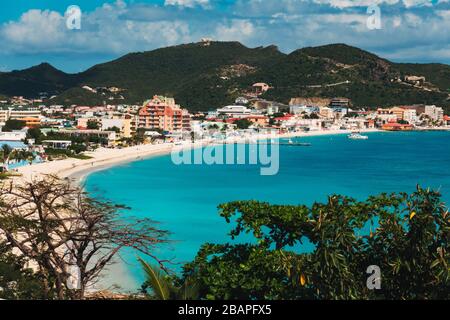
{"x":357,"y":136}
{"x":296,"y":144}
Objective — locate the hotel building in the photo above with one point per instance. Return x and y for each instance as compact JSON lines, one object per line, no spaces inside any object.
{"x":31,"y":116}
{"x":435,"y":113}
{"x":164,"y":114}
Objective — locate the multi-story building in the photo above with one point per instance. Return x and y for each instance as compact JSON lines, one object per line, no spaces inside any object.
{"x":385,"y":115}
{"x":164,"y":114}
{"x":4,"y":115}
{"x":31,"y":116}
{"x":327,"y":112}
{"x":21,"y":114}
{"x":186,"y":120}
{"x":435,"y":113}
{"x":124,"y":125}
{"x":343,"y":103}
{"x":259,"y":120}
{"x":410,"y":115}
{"x":398,"y":112}
{"x":31,"y":122}
{"x":83,"y":122}
{"x":298,"y":109}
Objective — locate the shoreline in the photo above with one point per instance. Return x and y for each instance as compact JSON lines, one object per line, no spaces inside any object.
{"x":77,"y":170}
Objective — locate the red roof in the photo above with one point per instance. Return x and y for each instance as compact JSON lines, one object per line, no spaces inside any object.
{"x":286,"y":117}
{"x":395,"y":124}
{"x":446,"y":118}
{"x":256,"y":117}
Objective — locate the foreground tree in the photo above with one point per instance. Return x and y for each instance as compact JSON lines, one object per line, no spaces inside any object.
{"x":68,"y":237}
{"x":406,"y":236}
{"x":17,"y":280}
{"x":160,"y":286}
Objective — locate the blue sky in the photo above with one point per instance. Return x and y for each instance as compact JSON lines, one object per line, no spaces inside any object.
{"x":33,"y":31}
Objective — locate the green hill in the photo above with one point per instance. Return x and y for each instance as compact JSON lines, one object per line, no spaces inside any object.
{"x":202,"y":77}
{"x":35,"y":80}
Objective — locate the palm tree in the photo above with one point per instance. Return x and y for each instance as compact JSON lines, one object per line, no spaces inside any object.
{"x":28,"y":156}
{"x":18,"y":155}
{"x":6,"y":153}
{"x":156,"y":280}
{"x":163,"y":288}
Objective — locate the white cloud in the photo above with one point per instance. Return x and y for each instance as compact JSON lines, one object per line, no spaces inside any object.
{"x":417,"y":3}
{"x":235,"y":30}
{"x":355,"y":3}
{"x":103,"y":31}
{"x":365,"y":3}
{"x":187,"y":3}
{"x":36,"y":29}
{"x":118,"y":28}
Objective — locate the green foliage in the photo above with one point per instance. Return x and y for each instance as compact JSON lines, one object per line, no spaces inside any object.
{"x":115,"y":129}
{"x":78,"y":148}
{"x":435,"y":73}
{"x":75,"y":151}
{"x":13,"y":124}
{"x":16,"y":280}
{"x":6,"y":151}
{"x":93,"y":125}
{"x":164,"y":287}
{"x":78,"y":96}
{"x":36,"y":134}
{"x":243,"y":123}
{"x":192,"y":74}
{"x":76,"y":139}
{"x":408,"y":239}
{"x":30,"y":82}
{"x":155,"y":280}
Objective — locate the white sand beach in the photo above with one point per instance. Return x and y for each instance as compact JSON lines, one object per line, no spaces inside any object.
{"x":77,"y":169}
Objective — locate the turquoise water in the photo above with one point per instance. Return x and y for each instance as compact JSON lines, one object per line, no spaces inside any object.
{"x":13,"y":144}
{"x":18,"y":145}
{"x":184,"y":198}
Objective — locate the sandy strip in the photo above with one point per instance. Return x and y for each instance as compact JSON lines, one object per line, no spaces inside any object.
{"x":77,"y":169}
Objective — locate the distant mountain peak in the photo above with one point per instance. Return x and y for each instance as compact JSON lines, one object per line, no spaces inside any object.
{"x":42,"y":67}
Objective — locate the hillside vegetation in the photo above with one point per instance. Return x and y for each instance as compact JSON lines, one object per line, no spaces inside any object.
{"x":204,"y":77}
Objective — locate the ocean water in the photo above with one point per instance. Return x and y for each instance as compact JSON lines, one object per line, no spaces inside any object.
{"x":184,"y":198}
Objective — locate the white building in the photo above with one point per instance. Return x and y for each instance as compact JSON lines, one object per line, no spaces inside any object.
{"x":111,"y":123}
{"x":234,"y":111}
{"x":16,"y":135}
{"x":297,"y":109}
{"x":19,"y":113}
{"x":410,"y":115}
{"x":327,"y":112}
{"x":272,"y":109}
{"x":435,"y":113}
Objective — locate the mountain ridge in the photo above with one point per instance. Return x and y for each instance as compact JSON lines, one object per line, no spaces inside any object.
{"x":203,"y":76}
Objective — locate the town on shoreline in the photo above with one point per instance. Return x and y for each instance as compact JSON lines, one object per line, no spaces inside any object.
{"x":85,"y":138}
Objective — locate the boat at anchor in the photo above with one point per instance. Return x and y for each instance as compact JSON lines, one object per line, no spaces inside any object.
{"x":357,"y":136}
